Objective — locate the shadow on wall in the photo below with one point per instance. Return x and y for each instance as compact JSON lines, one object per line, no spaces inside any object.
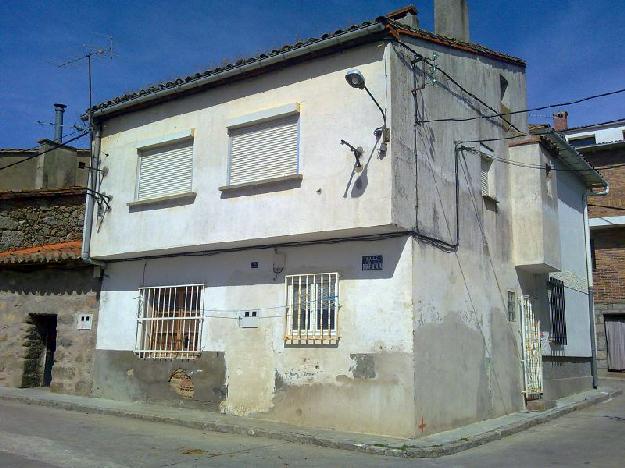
{"x":235,"y":269}
{"x":44,"y":281}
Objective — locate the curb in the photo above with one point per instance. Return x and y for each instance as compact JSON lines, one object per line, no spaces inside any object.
{"x":409,"y":449}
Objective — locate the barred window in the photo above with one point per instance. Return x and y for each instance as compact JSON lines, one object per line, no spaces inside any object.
{"x":312,"y":308}
{"x":169,"y":323}
{"x":557,"y":309}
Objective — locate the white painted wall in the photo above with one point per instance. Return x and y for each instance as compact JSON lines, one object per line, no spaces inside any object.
{"x":602,"y":135}
{"x":331,"y":197}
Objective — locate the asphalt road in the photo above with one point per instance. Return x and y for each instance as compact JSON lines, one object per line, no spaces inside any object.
{"x":33,"y":436}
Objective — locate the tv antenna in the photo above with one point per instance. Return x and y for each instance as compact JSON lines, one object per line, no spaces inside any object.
{"x":91,"y":52}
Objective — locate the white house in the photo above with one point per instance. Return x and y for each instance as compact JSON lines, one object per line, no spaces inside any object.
{"x":285,"y":244}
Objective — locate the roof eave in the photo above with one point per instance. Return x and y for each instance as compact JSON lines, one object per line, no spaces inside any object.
{"x":573,"y":159}
{"x":349,"y":37}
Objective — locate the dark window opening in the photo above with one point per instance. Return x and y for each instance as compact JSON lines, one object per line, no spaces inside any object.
{"x":583,"y":141}
{"x":557,"y":309}
{"x":593,"y":255}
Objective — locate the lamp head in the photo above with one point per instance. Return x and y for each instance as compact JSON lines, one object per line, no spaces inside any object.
{"x":355,"y":79}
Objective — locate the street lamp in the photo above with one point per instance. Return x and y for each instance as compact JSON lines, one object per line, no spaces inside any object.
{"x":357,"y":80}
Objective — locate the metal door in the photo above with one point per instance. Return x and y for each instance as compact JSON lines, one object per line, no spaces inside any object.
{"x":532,"y":351}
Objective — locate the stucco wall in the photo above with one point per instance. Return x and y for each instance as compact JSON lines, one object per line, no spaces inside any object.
{"x":326,"y":386}
{"x":331,"y":196}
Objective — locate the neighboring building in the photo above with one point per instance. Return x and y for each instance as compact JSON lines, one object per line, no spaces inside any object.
{"x":603,"y":145}
{"x":47,"y":293}
{"x":562,"y":305}
{"x":258,"y":265}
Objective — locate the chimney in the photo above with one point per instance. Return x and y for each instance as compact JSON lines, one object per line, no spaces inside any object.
{"x":560,"y":121}
{"x":451,"y":18}
{"x":406,"y":16}
{"x":59,"y":109}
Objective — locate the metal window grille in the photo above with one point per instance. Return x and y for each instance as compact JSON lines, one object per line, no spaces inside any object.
{"x":312,"y":308}
{"x":169,"y":322}
{"x":532,"y":350}
{"x":485,"y":168}
{"x":557,"y":308}
{"x":512,"y":304}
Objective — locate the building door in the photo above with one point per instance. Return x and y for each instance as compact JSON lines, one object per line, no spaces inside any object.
{"x":615,"y":336}
{"x":532,"y":351}
{"x":40,"y":348}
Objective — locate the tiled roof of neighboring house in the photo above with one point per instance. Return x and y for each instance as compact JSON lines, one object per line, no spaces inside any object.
{"x":48,"y":253}
{"x":381,"y":27}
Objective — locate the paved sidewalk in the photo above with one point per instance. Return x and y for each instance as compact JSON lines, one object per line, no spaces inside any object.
{"x":436,"y":445}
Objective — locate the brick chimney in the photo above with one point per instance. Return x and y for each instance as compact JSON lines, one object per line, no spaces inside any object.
{"x":560,"y":121}
{"x":451,"y":18}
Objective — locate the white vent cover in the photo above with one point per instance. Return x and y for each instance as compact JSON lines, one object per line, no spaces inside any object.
{"x":264,"y":151}
{"x":165,"y":170}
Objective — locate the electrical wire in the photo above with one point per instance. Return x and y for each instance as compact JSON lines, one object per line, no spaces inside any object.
{"x":462,"y":88}
{"x":56,"y":145}
{"x":620,"y":208}
{"x":548,"y":106}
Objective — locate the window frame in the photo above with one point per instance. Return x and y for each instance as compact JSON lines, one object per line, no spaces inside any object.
{"x":258,"y":118}
{"x":318,"y":334}
{"x":164,"y":142}
{"x":149,"y":334}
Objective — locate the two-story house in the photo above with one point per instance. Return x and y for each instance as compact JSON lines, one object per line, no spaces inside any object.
{"x":603,"y":144}
{"x":295,"y":237}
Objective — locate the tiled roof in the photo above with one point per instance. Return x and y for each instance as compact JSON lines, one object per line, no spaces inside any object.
{"x":48,"y":253}
{"x":382,"y":26}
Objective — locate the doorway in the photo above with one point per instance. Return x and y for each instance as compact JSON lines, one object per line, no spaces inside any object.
{"x":615,"y":336}
{"x":40,"y":348}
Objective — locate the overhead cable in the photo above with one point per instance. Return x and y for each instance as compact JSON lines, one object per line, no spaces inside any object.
{"x":548,"y":106}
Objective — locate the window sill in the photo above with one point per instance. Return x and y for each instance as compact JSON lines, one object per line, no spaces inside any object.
{"x":186,"y":196}
{"x":259,"y":183}
{"x":311,"y":340}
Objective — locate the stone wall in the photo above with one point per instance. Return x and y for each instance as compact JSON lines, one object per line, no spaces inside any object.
{"x":37,"y":218}
{"x":65,"y":291}
{"x":601,"y":311}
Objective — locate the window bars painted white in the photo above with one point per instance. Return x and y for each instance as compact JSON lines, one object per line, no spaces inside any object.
{"x":169,"y":322}
{"x":312,"y":308}
{"x":532,"y":351}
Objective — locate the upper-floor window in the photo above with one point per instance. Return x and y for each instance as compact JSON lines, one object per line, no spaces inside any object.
{"x":263,"y":151}
{"x":583,"y":141}
{"x":487,"y":177}
{"x":165,"y":169}
{"x":557,"y":309}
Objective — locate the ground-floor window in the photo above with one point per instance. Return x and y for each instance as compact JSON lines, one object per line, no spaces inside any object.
{"x":169,"y":323}
{"x":312,"y":307}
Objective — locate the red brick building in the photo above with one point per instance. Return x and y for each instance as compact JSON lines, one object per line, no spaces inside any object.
{"x":603,"y":145}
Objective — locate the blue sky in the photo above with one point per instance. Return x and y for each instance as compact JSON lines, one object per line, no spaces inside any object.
{"x":573,"y":47}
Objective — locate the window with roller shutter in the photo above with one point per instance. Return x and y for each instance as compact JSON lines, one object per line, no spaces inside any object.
{"x":264,"y":151}
{"x":165,"y":170}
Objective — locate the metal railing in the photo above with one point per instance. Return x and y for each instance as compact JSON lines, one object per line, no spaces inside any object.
{"x":169,"y":322}
{"x":557,"y":309}
{"x":532,"y":350}
{"x":312,"y":308}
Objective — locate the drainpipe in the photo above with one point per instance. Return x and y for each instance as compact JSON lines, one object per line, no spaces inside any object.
{"x":90,"y":200}
{"x":591,"y":300}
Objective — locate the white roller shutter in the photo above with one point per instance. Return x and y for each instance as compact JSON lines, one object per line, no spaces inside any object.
{"x":165,"y":170}
{"x":264,"y":151}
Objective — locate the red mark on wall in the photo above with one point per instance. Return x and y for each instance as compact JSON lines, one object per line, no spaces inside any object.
{"x":422,"y":425}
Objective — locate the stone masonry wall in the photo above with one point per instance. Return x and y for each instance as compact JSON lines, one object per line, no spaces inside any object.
{"x":601,"y":311}
{"x":28,"y":221}
{"x":64,"y":291}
